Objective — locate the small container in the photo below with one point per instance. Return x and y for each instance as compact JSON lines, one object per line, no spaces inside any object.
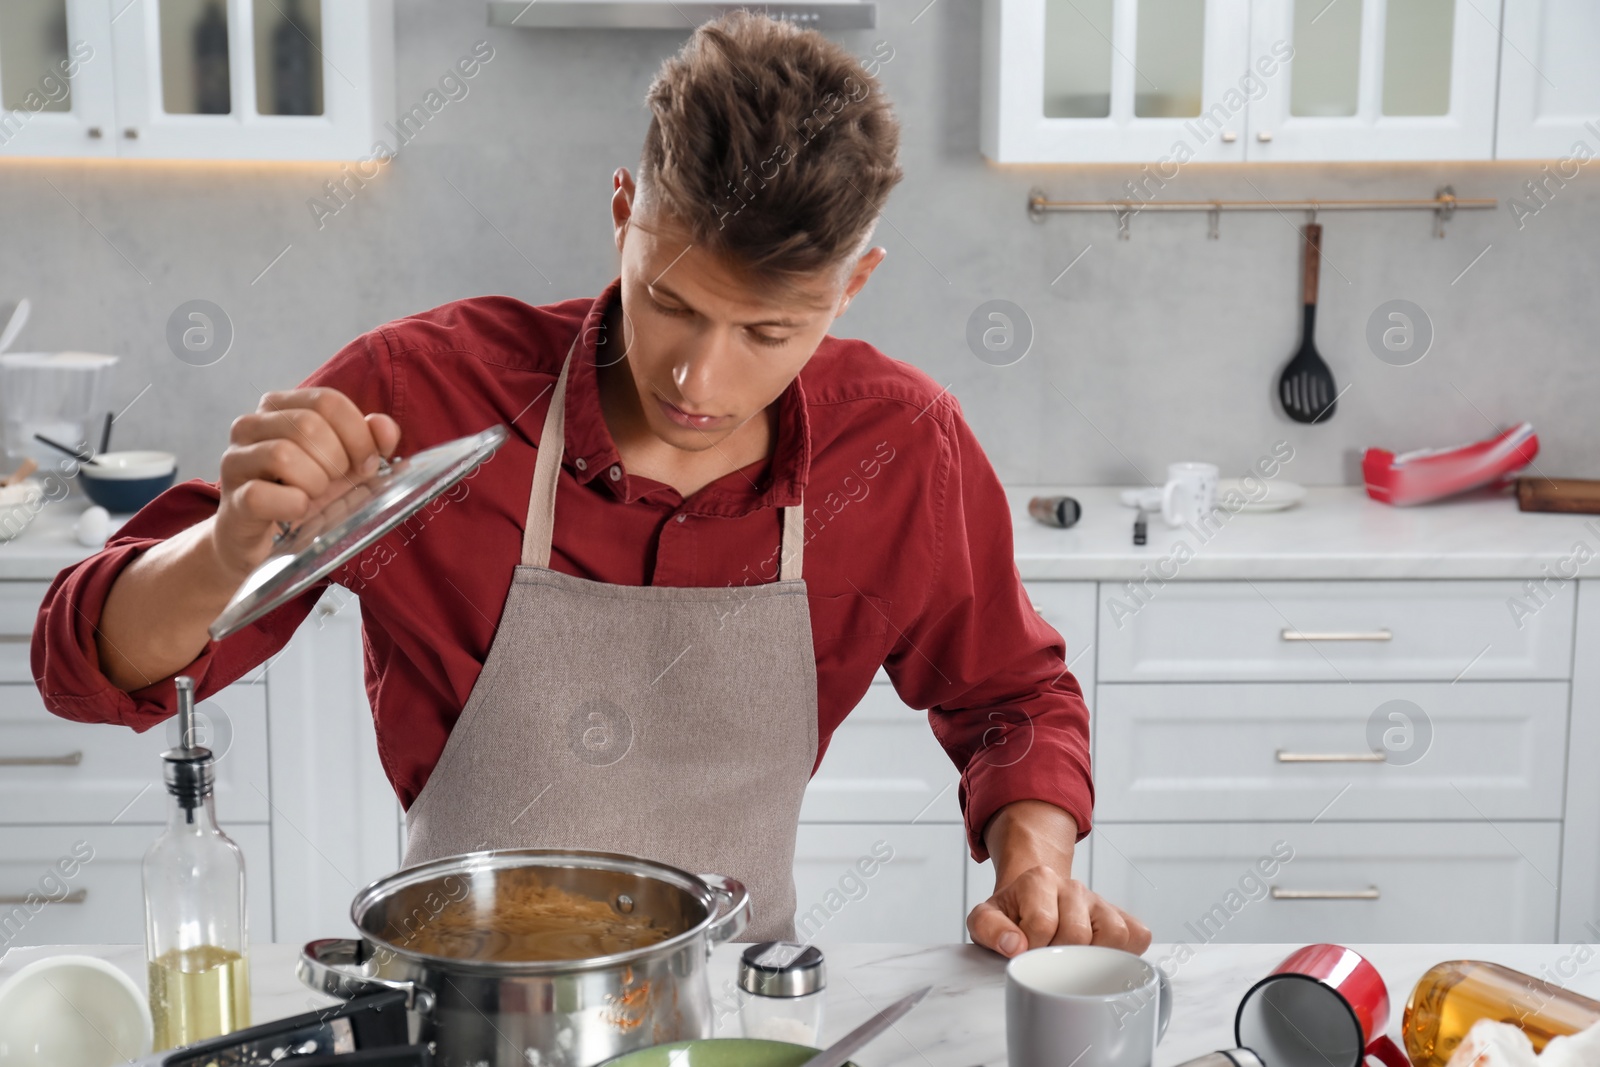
{"x":783,"y":983}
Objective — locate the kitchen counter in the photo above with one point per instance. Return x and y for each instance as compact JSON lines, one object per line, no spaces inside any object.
{"x":962,"y":1022}
{"x":1337,"y":532}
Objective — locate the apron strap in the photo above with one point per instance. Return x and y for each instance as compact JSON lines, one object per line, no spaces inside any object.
{"x":539,"y":529}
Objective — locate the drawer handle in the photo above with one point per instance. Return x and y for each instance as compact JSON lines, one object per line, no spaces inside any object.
{"x":1337,"y":635}
{"x":77,"y":896}
{"x":1332,"y":757}
{"x":1370,"y":893}
{"x":71,"y":759}
{"x":16,"y":639}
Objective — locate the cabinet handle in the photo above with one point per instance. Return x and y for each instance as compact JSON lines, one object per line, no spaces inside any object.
{"x":1370,"y":893}
{"x":16,"y":639}
{"x":1336,"y":635}
{"x":71,"y":759}
{"x":1228,"y":137}
{"x":95,"y":132}
{"x":77,"y":896}
{"x":131,"y":133}
{"x":1332,"y":757}
{"x":1264,"y":136}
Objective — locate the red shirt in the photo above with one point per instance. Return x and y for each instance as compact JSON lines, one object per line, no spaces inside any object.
{"x":908,"y":558}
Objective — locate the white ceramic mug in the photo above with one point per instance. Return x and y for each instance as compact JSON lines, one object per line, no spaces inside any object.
{"x":1190,"y":494}
{"x":1086,"y":1005}
{"x":72,"y":1011}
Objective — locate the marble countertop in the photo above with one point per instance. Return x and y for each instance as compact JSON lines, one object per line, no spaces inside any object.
{"x":1335,"y":533}
{"x":962,"y":1022}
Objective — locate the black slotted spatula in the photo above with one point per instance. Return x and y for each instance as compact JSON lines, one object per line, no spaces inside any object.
{"x":1306,"y":385}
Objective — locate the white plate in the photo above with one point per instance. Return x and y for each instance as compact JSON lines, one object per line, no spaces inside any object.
{"x":1278,"y":496}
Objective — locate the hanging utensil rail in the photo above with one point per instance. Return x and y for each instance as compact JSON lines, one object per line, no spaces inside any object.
{"x":1444,"y":204}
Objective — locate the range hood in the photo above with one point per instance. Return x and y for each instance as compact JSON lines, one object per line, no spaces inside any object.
{"x":673,"y":14}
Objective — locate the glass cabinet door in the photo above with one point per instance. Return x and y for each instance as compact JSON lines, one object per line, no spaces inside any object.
{"x":1158,"y":81}
{"x":252,"y":79}
{"x":1376,"y":80}
{"x":55,"y":78}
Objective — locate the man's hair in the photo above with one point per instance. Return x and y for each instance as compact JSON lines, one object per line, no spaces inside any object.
{"x":771,"y":145}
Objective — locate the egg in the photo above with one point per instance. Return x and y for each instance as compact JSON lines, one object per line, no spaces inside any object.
{"x":93,"y":526}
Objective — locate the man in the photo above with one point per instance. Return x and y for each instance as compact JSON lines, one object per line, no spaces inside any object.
{"x":711,"y":524}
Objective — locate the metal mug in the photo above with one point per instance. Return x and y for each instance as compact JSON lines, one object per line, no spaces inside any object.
{"x":1086,"y":1005}
{"x":1323,"y":1006}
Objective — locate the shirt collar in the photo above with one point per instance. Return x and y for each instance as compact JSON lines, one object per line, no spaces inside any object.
{"x":591,"y":453}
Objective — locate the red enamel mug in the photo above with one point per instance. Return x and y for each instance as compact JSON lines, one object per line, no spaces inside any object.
{"x":1324,"y":1006}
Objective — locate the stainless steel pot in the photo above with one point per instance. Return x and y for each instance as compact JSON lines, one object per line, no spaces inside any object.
{"x":555,"y":1013}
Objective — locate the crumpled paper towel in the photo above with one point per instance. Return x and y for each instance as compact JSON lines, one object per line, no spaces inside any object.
{"x":1496,"y":1044}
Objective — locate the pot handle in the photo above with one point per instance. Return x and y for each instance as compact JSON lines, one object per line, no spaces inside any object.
{"x":731,"y":922}
{"x":335,"y":966}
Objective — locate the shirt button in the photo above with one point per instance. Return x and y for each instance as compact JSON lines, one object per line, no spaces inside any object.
{"x":581,"y":463}
{"x":682,"y":517}
{"x":616,"y":473}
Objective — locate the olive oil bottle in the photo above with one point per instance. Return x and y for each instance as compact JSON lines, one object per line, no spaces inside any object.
{"x":195,"y":935}
{"x":1454,"y":995}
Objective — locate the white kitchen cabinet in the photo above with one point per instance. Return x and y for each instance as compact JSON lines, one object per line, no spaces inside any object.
{"x":201,"y":79}
{"x":53,"y":770}
{"x":1549,"y":83}
{"x":914,"y":891}
{"x":1070,"y":608}
{"x":1332,"y":631}
{"x":19,"y":607}
{"x":1344,"y":882}
{"x":1580,"y":849}
{"x":57,"y":87}
{"x":103,"y":901}
{"x":1376,"y":80}
{"x":1221,"y":752}
{"x":1101,"y":81}
{"x":883,"y":765}
{"x":334,"y":812}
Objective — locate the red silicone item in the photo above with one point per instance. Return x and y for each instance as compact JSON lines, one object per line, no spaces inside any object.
{"x":1434,"y":473}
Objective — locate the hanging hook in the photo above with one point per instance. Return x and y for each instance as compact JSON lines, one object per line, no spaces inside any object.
{"x":1311,"y":214}
{"x":1123,"y":215}
{"x":1214,"y":220}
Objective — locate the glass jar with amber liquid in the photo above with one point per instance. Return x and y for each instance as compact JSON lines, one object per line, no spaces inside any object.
{"x":1454,"y":995}
{"x":195,"y":937}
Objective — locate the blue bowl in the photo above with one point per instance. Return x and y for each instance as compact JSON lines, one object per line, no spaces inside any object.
{"x":124,"y":482}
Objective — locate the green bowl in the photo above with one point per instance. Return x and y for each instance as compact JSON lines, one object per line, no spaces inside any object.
{"x":719,"y":1052}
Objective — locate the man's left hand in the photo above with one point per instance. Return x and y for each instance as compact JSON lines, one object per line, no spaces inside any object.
{"x":1036,"y":901}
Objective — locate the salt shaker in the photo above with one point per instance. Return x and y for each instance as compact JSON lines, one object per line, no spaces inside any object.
{"x":784,"y":982}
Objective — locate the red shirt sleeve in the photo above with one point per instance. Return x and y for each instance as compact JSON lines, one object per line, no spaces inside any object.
{"x":991,"y":671}
{"x":65,"y":653}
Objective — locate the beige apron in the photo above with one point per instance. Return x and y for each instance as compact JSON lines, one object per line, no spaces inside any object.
{"x":677,"y":724}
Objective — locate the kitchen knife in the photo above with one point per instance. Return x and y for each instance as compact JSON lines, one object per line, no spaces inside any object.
{"x":837,"y":1053}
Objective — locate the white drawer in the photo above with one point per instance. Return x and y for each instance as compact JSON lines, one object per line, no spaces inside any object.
{"x":108,"y":888}
{"x":1333,"y":631}
{"x":19,"y":610}
{"x":884,"y":882}
{"x":1069,"y":607}
{"x":883,"y":765}
{"x":117,"y":773}
{"x":1473,"y":882}
{"x":1240,"y":752}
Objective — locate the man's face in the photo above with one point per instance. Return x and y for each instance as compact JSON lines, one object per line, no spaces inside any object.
{"x":706,"y":349}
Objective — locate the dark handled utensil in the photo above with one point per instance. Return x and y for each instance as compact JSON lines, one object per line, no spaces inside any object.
{"x":841,"y":1050}
{"x":1306,"y":386}
{"x":80,"y":456}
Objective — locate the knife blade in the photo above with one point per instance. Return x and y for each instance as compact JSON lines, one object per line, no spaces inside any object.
{"x":841,"y":1050}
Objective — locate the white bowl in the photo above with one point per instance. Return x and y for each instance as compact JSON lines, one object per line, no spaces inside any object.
{"x":18,"y":505}
{"x":72,"y":1011}
{"x":127,"y":466}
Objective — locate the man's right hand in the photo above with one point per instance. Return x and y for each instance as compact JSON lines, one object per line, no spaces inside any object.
{"x":287,"y":459}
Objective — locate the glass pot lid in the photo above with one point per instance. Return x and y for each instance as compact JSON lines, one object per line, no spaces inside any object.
{"x":304,"y":555}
